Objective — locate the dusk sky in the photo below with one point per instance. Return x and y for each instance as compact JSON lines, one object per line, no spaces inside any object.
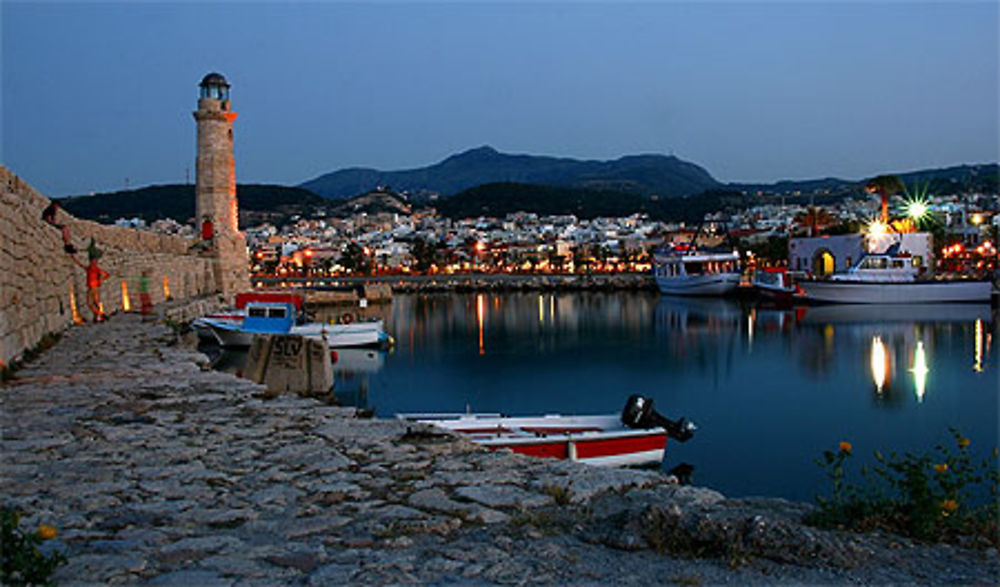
{"x":97,"y":93}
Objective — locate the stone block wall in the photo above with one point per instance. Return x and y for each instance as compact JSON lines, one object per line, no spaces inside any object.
{"x":40,"y":286}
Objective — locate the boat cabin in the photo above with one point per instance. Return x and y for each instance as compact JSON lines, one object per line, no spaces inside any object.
{"x":888,"y":266}
{"x":692,"y":264}
{"x":269,"y":317}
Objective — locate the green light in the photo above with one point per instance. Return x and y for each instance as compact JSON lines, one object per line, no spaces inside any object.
{"x":916,"y":209}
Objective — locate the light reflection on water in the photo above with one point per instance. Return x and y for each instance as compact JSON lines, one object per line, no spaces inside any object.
{"x":769,"y":388}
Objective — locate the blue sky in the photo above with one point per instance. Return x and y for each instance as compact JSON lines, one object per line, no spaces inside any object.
{"x":93,"y":94}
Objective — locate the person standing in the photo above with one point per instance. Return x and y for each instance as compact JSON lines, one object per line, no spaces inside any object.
{"x":95,"y":277}
{"x":145,"y":302}
{"x":49,"y":216}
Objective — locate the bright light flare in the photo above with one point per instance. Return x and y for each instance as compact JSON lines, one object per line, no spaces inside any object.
{"x":879,"y":363}
{"x":920,"y":371}
{"x":917,"y":209}
{"x":877,"y":228}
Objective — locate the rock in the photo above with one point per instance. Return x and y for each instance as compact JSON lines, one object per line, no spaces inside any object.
{"x":191,"y":577}
{"x":502,"y":496}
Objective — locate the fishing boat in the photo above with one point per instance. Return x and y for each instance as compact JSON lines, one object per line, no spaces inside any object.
{"x":692,"y":269}
{"x":893,"y":277}
{"x":775,"y":284}
{"x":282,"y":318}
{"x":683,"y":271}
{"x":637,"y":436}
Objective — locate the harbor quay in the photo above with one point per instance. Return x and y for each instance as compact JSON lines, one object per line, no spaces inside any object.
{"x":154,"y":468}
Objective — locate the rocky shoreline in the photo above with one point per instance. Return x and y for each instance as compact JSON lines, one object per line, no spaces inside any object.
{"x":156,"y":469}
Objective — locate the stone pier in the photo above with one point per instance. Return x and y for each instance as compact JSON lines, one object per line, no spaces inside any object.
{"x":155,"y":468}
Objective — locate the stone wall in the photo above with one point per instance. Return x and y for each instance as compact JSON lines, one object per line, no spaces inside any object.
{"x":42,"y":290}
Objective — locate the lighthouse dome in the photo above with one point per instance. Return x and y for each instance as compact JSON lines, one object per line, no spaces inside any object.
{"x":214,"y":79}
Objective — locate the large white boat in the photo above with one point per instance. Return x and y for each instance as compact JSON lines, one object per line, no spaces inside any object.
{"x":281,"y":318}
{"x":893,"y":278}
{"x":683,"y":270}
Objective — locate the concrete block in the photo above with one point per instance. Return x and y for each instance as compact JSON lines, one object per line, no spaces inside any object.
{"x":290,"y":364}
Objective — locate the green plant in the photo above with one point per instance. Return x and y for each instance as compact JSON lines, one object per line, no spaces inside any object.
{"x":931,"y":498}
{"x":561,"y":494}
{"x":21,"y":561}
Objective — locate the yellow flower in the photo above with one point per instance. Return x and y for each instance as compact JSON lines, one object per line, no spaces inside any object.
{"x":964,"y":442}
{"x":47,"y":532}
{"x":845,"y":446}
{"x":941,"y":468}
{"x":948,"y":506}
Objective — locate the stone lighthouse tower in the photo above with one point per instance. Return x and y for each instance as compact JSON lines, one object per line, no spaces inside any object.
{"x":216,"y":211}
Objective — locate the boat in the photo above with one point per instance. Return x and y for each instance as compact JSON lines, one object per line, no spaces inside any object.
{"x":637,"y":436}
{"x":235,"y":316}
{"x":893,"y":277}
{"x":686,"y":269}
{"x":282,"y":318}
{"x":775,"y":284}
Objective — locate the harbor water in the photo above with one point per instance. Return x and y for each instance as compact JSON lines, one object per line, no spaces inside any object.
{"x":769,"y":388}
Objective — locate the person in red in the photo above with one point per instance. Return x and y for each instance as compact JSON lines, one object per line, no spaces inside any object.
{"x":207,"y":230}
{"x":95,"y":277}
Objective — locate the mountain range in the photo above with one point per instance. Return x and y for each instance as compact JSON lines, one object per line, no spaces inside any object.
{"x":484,"y":181}
{"x":662,"y":175}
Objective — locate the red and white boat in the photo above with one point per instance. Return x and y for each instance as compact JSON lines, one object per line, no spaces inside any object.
{"x":638,"y":436}
{"x":774,"y":283}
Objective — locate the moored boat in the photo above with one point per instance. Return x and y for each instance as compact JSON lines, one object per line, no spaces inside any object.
{"x":893,"y":278}
{"x":637,"y":436}
{"x":281,"y":318}
{"x":683,"y":271}
{"x":774,"y":283}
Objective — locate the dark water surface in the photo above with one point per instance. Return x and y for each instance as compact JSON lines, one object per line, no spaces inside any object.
{"x":769,"y":389}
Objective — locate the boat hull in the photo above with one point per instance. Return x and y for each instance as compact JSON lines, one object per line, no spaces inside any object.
{"x":716,"y":284}
{"x":915,"y":292}
{"x":595,"y":440}
{"x":358,"y":334}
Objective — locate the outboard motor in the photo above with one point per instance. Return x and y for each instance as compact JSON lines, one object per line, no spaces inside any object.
{"x":639,"y":414}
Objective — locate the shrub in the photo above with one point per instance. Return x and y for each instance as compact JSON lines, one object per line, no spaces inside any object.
{"x":930,"y":498}
{"x":21,"y":561}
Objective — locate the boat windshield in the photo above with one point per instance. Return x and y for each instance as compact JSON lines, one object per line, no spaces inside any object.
{"x":257,"y":312}
{"x":694,"y":268}
{"x":874,"y":263}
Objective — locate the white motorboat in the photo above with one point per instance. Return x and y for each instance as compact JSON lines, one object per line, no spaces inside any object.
{"x":893,"y":278}
{"x":685,"y":271}
{"x":280,"y":318}
{"x":637,"y":436}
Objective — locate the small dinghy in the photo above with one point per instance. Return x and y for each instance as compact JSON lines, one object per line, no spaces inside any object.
{"x":638,"y":436}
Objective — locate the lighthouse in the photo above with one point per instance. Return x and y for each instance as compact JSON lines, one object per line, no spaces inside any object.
{"x":216,"y":211}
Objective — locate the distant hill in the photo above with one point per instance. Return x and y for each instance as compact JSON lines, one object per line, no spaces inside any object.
{"x":261,"y":202}
{"x":499,"y":199}
{"x":948,"y":180}
{"x":373,"y":203}
{"x":640,"y":174}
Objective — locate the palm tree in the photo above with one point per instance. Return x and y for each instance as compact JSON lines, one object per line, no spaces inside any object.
{"x":885,"y":186}
{"x":814,"y":219}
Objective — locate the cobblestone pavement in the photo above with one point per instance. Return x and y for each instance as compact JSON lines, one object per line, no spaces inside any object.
{"x":156,"y":469}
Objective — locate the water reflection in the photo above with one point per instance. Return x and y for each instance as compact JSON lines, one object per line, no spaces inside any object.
{"x":880,"y":364}
{"x":919,"y":371}
{"x":767,"y":386}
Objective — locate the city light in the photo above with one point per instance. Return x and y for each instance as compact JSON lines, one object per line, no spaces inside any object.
{"x":877,"y":228}
{"x":917,"y":209}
